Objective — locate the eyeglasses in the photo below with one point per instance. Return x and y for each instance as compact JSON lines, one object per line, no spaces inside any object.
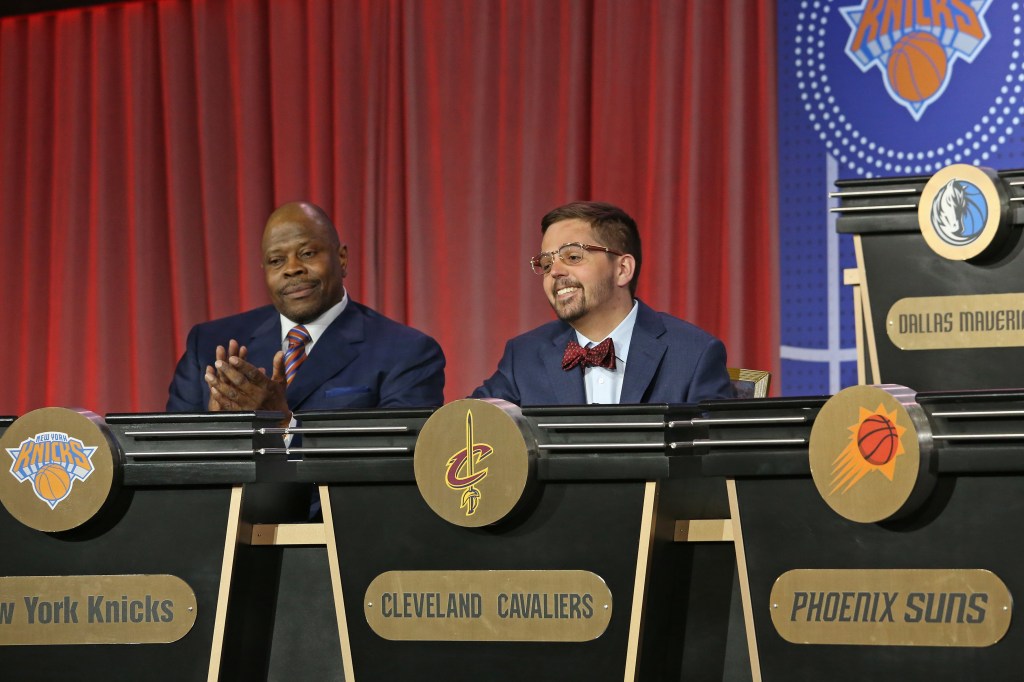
{"x":570,"y":254}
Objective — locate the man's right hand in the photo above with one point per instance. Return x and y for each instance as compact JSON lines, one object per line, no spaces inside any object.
{"x":237,"y":384}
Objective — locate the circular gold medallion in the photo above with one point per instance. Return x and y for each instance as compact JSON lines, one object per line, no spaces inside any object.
{"x":870,"y":453}
{"x":961,"y":213}
{"x":473,"y":461}
{"x":60,"y":468}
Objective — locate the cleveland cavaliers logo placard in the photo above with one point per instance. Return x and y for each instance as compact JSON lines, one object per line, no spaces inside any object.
{"x":870,"y":453}
{"x":64,"y":466}
{"x":473,"y":461}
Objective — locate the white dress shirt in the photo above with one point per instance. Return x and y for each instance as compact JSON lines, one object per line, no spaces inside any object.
{"x":604,"y":386}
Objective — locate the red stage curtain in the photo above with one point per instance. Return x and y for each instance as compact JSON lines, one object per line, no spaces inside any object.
{"x":143,"y":145}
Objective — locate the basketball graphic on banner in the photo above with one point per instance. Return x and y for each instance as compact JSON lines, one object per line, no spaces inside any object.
{"x":917,"y":66}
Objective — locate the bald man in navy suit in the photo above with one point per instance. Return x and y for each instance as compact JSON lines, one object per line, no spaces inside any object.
{"x":314,"y":348}
{"x":606,"y":346}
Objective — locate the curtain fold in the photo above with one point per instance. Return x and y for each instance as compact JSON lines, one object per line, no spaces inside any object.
{"x":145,"y":143}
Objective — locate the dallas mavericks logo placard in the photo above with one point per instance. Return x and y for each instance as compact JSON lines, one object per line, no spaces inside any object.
{"x":51,"y":461}
{"x":962,"y":212}
{"x":916,"y":44}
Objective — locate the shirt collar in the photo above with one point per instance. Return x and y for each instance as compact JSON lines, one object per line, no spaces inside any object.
{"x":317,"y":326}
{"x":620,"y":336}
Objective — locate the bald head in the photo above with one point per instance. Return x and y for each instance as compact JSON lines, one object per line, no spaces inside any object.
{"x":304,"y":262}
{"x":302,"y":212}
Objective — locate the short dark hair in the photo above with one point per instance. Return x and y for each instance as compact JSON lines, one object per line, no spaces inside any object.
{"x":613,"y":226}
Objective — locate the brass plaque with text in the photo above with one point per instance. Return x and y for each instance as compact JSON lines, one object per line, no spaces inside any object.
{"x":891,"y":607}
{"x":488,"y":606}
{"x":95,"y":609}
{"x":944,"y":322}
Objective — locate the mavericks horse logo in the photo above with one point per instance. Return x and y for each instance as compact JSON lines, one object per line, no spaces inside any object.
{"x":959,"y":212}
{"x":915,"y":44}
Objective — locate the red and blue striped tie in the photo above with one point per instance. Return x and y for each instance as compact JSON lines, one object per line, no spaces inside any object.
{"x":297,"y":339}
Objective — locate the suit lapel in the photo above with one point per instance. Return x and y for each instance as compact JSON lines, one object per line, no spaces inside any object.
{"x":334,"y":350}
{"x":646,"y":350}
{"x":265,"y":342}
{"x":567,"y":387}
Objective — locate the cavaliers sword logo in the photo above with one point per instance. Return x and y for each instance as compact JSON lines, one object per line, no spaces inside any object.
{"x":463,"y":469}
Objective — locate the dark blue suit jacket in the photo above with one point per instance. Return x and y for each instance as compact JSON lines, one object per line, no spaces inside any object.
{"x":670,"y":361}
{"x":363,"y":359}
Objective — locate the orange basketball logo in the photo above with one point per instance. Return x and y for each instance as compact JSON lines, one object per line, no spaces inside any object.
{"x":51,"y":462}
{"x":915,"y":44}
{"x":917,"y":66}
{"x":875,"y":443}
{"x":877,"y":440}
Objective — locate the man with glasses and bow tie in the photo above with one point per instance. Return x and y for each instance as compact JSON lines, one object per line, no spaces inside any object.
{"x":314,"y":348}
{"x":607,"y":346}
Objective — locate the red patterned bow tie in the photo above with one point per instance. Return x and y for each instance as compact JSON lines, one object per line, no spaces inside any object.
{"x":601,"y":355}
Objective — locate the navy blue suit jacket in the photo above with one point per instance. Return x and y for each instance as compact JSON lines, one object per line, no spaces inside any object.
{"x":670,"y":361}
{"x":362,"y":359}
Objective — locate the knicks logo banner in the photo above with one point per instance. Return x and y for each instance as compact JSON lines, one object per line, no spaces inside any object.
{"x":915,"y":44}
{"x":870,"y":453}
{"x":51,"y":461}
{"x":474,"y":460}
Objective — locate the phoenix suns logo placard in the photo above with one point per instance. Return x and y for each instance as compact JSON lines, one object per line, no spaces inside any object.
{"x":61,"y":470}
{"x":870,"y":453}
{"x":473,"y":461}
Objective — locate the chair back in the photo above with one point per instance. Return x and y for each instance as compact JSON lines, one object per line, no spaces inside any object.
{"x":750,"y":383}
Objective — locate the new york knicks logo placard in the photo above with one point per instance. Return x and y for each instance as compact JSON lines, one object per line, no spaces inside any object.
{"x":51,"y":461}
{"x":866,"y":453}
{"x":473,"y":461}
{"x":962,"y":213}
{"x":62,"y":468}
{"x":915,"y":45}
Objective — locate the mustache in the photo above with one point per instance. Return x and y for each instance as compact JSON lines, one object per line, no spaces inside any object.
{"x":294,"y":286}
{"x":565,"y":282}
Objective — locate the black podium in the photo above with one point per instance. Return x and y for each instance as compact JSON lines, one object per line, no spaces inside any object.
{"x":928,"y":316}
{"x":175,"y":515}
{"x":607,"y":493}
{"x":924,"y":595}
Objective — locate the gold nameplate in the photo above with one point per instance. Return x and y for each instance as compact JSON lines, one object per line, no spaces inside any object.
{"x":95,"y":609}
{"x":976,"y":321}
{"x":488,"y":606}
{"x":891,"y":607}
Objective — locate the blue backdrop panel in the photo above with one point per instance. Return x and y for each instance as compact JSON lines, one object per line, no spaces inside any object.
{"x":877,"y":88}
